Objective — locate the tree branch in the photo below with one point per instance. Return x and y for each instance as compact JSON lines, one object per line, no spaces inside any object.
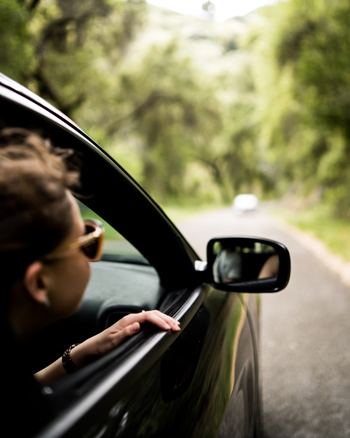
{"x":47,"y":92}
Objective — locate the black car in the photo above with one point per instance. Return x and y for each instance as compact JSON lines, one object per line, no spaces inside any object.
{"x":200,"y":382}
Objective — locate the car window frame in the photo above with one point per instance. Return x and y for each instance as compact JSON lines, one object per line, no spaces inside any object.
{"x":148,"y":346}
{"x":180,"y":253}
{"x":76,"y":397}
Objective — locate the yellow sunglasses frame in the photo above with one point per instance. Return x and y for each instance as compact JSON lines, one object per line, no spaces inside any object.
{"x":85,"y":240}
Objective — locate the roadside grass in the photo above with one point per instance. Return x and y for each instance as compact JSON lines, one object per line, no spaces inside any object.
{"x":319,"y":222}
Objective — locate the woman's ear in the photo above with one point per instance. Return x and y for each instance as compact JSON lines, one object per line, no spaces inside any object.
{"x":35,"y":283}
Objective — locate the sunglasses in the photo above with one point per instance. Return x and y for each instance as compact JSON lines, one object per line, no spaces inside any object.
{"x":91,"y":243}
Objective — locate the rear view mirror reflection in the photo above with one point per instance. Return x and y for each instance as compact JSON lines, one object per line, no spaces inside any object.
{"x":235,"y":263}
{"x":248,"y":264}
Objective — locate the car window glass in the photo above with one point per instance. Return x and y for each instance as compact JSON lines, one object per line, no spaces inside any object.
{"x":115,"y":246}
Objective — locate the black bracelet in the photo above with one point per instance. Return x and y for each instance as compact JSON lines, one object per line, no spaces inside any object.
{"x":67,"y":361}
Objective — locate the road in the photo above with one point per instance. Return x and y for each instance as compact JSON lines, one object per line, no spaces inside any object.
{"x":305,"y":332}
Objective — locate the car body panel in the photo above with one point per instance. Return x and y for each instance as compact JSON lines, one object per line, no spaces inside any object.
{"x":202,"y":376}
{"x":201,"y":382}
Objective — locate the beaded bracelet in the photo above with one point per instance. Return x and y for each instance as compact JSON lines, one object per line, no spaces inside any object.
{"x":67,"y":361}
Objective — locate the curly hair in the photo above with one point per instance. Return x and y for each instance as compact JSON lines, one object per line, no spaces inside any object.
{"x":35,"y":212}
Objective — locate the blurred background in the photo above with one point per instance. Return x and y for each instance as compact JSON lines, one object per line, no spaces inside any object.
{"x":205,"y":101}
{"x":202,"y":101}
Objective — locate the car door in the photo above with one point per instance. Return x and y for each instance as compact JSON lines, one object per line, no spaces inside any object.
{"x":199,"y":382}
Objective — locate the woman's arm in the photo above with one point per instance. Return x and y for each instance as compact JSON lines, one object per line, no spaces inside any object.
{"x":106,"y":341}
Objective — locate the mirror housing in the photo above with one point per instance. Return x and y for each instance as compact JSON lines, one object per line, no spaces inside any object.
{"x":247,"y":264}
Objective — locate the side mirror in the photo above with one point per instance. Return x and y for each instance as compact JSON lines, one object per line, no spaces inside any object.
{"x":247,"y":264}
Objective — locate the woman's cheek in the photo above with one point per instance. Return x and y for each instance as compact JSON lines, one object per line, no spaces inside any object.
{"x":72,"y":280}
{"x":81,"y":279}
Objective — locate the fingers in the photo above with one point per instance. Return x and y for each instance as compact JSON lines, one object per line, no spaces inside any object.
{"x":111,"y":338}
{"x":131,"y":329}
{"x":155,"y":317}
{"x":128,"y":331}
{"x":126,"y":327}
{"x":161,"y":320}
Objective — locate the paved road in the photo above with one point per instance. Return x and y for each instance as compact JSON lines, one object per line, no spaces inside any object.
{"x":305,"y":333}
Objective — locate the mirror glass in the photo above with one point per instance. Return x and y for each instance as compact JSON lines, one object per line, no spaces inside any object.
{"x":243,"y":261}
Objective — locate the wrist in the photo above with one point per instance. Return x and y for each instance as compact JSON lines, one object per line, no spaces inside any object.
{"x":83,"y":353}
{"x":67,"y":362}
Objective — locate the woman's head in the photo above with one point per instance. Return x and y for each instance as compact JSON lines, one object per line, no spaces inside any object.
{"x":37,"y":212}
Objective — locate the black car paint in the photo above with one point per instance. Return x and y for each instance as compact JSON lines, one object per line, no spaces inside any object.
{"x":212,"y":390}
{"x":221,"y":385}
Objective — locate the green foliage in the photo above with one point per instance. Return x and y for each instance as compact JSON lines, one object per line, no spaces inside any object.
{"x":62,"y":48}
{"x":16,"y":49}
{"x":184,"y":134}
{"x":269,"y":113}
{"x":304,"y":83}
{"x":320,"y":222}
{"x":163,"y":117}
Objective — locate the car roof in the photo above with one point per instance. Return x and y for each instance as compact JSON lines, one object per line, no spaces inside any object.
{"x":107,"y":188}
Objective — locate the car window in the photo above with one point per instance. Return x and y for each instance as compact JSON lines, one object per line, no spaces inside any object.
{"x":115,"y":247}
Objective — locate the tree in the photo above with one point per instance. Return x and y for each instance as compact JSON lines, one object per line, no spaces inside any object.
{"x":169,"y":112}
{"x":305,"y":93}
{"x":62,"y":48}
{"x":16,"y":50}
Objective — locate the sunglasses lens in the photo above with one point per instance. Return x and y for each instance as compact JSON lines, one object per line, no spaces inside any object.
{"x":91,"y":249}
{"x":89,"y":228}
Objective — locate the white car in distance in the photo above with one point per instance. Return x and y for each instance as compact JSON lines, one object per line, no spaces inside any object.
{"x":245,"y":203}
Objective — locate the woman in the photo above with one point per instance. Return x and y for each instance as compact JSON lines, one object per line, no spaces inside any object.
{"x":44,"y":253}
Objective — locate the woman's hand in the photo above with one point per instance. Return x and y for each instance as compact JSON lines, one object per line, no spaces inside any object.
{"x":106,"y":341}
{"x":119,"y":332}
